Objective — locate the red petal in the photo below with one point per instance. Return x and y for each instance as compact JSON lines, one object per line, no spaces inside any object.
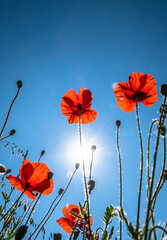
{"x":124,"y":97}
{"x":134,"y":81}
{"x":72,"y":208}
{"x":85,"y":97}
{"x":69,"y":102}
{"x":26,"y":171}
{"x":48,"y":189}
{"x":65,"y":224}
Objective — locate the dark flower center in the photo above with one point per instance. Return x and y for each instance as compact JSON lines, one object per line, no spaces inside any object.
{"x":27,"y":185}
{"x":79,"y":107}
{"x":140,"y":96}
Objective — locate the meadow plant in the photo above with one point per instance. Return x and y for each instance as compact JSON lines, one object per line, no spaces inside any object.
{"x":35,"y":178}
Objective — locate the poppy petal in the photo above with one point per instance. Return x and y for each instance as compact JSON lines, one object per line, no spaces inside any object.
{"x":72,"y":208}
{"x":48,"y":189}
{"x":134,"y":81}
{"x":124,"y":97}
{"x":65,"y":224}
{"x":69,"y":102}
{"x":85,"y":97}
{"x":26,"y":171}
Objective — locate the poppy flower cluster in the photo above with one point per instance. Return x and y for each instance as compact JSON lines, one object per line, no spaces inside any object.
{"x":74,"y":105}
{"x":140,"y":88}
{"x":68,"y":221}
{"x":33,"y":178}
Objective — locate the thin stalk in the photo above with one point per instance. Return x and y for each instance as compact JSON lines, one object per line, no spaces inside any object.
{"x":83,"y":167}
{"x":13,"y":205}
{"x":162,"y":237}
{"x":91,"y":164}
{"x":36,"y":201}
{"x":5,"y":137}
{"x":149,"y":236}
{"x":4,"y":125}
{"x":161,"y":177}
{"x":55,"y":205}
{"x":141,"y":169}
{"x":120,"y":177}
{"x":148,"y":157}
{"x":153,"y":176}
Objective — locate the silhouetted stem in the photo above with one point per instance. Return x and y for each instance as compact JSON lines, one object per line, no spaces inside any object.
{"x":55,"y":205}
{"x":5,"y":137}
{"x":9,"y":112}
{"x":148,"y":157}
{"x":153,"y":176}
{"x":120,"y":177}
{"x":159,"y":227}
{"x":160,"y":183}
{"x":162,"y":237}
{"x":84,"y":174}
{"x":141,"y":169}
{"x":91,"y":164}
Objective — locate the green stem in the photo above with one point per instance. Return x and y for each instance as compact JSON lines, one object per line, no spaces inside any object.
{"x":84,"y":174}
{"x":5,"y":137}
{"x":9,"y":112}
{"x":148,"y":157}
{"x":13,"y":205}
{"x":54,"y":206}
{"x":120,"y":175}
{"x":141,"y":169}
{"x":153,"y":176}
{"x":149,"y":236}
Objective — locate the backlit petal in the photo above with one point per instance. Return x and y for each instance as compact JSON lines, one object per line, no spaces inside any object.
{"x":65,"y":224}
{"x":85,"y":97}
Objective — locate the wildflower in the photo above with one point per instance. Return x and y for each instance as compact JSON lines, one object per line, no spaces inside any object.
{"x":69,"y":221}
{"x":72,"y":105}
{"x":140,"y":88}
{"x":33,"y":177}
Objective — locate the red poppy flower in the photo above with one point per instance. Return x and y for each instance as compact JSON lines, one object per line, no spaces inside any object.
{"x":140,"y":88}
{"x":69,"y":221}
{"x":33,"y":178}
{"x":72,"y":104}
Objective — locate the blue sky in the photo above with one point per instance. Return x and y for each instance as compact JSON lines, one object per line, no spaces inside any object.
{"x":53,"y":46}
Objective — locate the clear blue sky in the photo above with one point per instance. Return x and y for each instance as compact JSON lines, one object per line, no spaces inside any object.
{"x":53,"y":46}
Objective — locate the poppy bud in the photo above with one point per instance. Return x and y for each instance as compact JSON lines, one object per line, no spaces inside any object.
{"x":57,"y":236}
{"x":76,"y":234}
{"x":93,"y":148}
{"x":12,"y":132}
{"x":118,"y":123}
{"x":163,"y":90}
{"x":50,"y":175}
{"x":164,"y":175}
{"x":19,"y":84}
{"x":8,"y":171}
{"x":2,"y":169}
{"x":21,"y":232}
{"x":162,"y":130}
{"x":60,"y":191}
{"x":91,"y":184}
{"x":76,"y":165}
{"x":42,"y":152}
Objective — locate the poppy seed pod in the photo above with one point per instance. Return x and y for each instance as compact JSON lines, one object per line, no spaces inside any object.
{"x":164,"y":175}
{"x":42,"y":152}
{"x":19,"y":84}
{"x":12,"y":132}
{"x":8,"y":171}
{"x":76,"y":165}
{"x":61,"y":190}
{"x":57,"y":236}
{"x":21,"y":232}
{"x":162,"y":130}
{"x":91,"y":184}
{"x":93,"y":148}
{"x":118,"y":123}
{"x":163,"y":90}
{"x":50,"y":175}
{"x":2,"y":169}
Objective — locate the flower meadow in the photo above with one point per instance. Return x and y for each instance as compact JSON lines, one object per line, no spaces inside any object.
{"x":35,"y":179}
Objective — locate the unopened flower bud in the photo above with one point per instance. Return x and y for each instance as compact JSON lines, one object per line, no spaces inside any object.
{"x":76,"y":234}
{"x":164,"y":175}
{"x":8,"y":171}
{"x":21,"y":232}
{"x":118,"y":123}
{"x":42,"y":152}
{"x":12,"y":132}
{"x":76,"y":165}
{"x":2,"y":169}
{"x":93,"y":148}
{"x":163,"y":131}
{"x":91,"y":184}
{"x":57,"y":236}
{"x":50,"y":175}
{"x":19,"y":84}
{"x":163,"y":90}
{"x":60,"y":191}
